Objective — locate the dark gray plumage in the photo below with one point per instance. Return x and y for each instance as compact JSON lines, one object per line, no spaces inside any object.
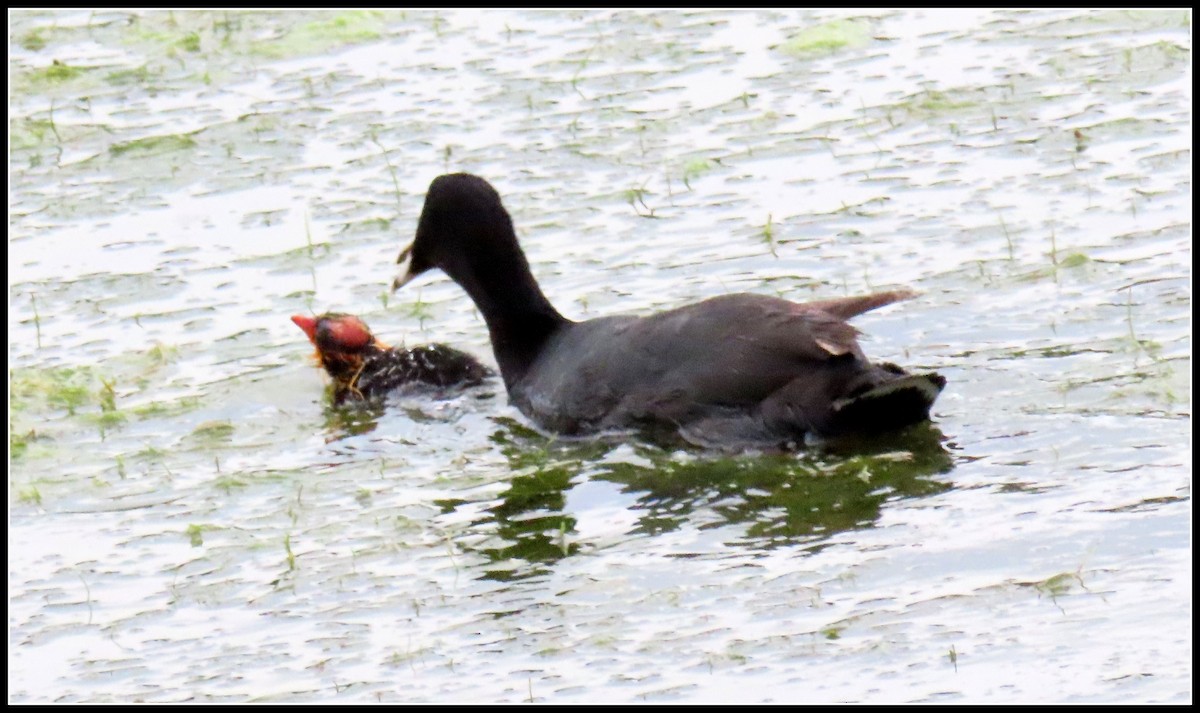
{"x":735,"y":370}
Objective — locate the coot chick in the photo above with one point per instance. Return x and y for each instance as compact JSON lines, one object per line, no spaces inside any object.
{"x":734,"y":371}
{"x":364,"y":368}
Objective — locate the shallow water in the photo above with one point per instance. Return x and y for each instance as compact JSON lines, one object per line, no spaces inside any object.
{"x":190,"y":520}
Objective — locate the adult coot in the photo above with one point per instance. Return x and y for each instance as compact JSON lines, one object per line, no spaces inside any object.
{"x":364,"y":368}
{"x":732,"y":371}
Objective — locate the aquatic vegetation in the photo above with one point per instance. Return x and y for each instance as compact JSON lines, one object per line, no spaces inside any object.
{"x":28,"y":132}
{"x":172,"y":407}
{"x":768,"y":236}
{"x":330,"y":31}
{"x":137,"y":75}
{"x":153,"y":145}
{"x":69,"y":388}
{"x":419,"y":310}
{"x":291,"y":556}
{"x":827,"y":38}
{"x":695,"y":168}
{"x":228,"y":483}
{"x":34,"y":40}
{"x":195,"y":534}
{"x":213,"y":431}
{"x":29,"y":495}
{"x":56,"y":72}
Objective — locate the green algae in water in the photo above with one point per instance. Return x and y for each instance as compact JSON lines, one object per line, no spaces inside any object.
{"x":137,"y":75}
{"x":695,"y":168}
{"x":935,"y":102}
{"x":827,"y":38}
{"x":26,"y":443}
{"x":291,"y":556}
{"x":31,"y":133}
{"x":34,"y":40}
{"x":213,"y":431}
{"x":38,"y":390}
{"x":227,"y":483}
{"x":344,"y":28}
{"x":1132,"y":19}
{"x":29,"y":495}
{"x":57,"y":72}
{"x":176,"y":407}
{"x":1123,"y":128}
{"x":1074,"y":260}
{"x":67,"y":388}
{"x":46,"y":403}
{"x":190,"y":42}
{"x":768,"y":236}
{"x":195,"y":534}
{"x":154,"y":144}
{"x":107,"y":419}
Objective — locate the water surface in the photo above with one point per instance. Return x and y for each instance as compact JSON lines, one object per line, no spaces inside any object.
{"x":191,"y":521}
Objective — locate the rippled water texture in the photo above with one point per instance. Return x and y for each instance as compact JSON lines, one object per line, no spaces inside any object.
{"x":191,"y":521}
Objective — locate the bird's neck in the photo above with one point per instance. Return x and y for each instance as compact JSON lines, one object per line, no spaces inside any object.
{"x":519,"y":317}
